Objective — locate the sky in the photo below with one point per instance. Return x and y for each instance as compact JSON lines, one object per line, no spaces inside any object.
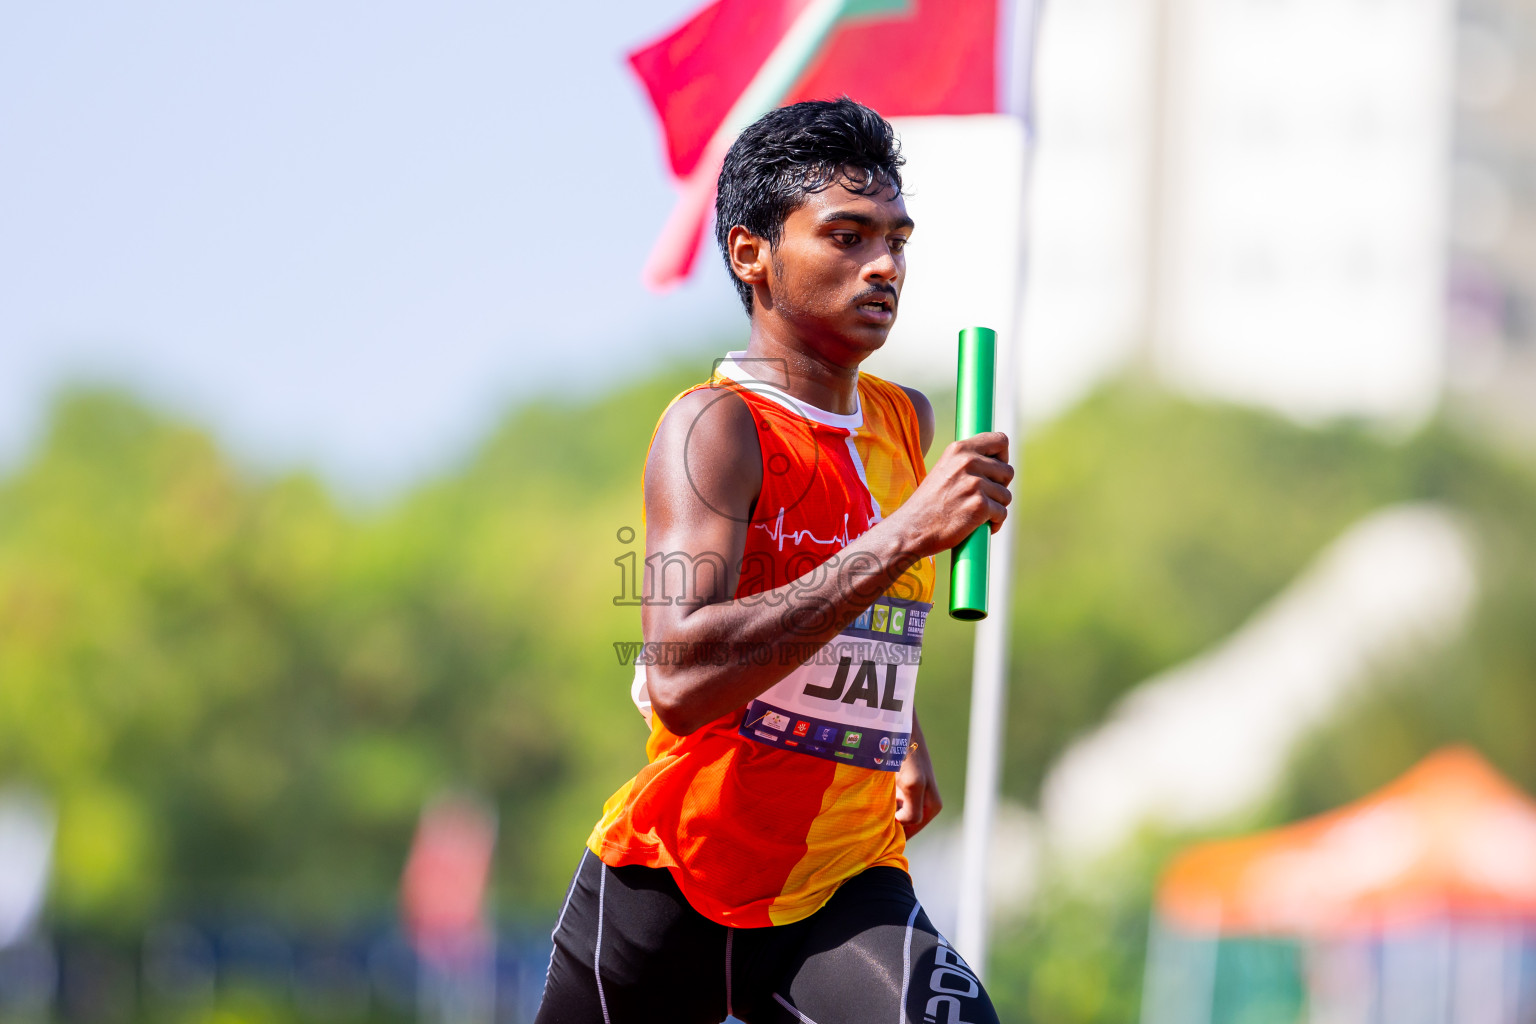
{"x":343,"y":236}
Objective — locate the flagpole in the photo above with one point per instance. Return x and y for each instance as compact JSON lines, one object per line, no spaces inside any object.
{"x":989,"y":673}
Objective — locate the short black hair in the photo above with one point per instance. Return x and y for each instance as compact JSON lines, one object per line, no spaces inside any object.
{"x":792,"y":152}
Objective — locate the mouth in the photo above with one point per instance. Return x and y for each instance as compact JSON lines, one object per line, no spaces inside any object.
{"x":879,"y":309}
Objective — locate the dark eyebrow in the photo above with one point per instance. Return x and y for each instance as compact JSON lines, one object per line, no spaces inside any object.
{"x":864,"y":219}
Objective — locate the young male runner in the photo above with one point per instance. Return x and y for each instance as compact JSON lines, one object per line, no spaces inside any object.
{"x":755,"y":866}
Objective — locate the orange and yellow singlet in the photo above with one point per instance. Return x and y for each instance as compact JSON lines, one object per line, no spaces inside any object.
{"x":764,"y":812}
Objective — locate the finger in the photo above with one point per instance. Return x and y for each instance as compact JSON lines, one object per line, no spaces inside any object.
{"x":993,"y":469}
{"x":992,"y":442}
{"x":996,"y":514}
{"x":996,"y":492}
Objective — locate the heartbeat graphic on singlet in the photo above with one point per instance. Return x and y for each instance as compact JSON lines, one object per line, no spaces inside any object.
{"x":777,"y":533}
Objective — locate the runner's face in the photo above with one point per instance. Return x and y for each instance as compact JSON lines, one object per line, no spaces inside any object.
{"x":836,"y":274}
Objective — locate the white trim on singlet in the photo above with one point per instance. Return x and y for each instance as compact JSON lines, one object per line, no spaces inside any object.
{"x":851,"y":422}
{"x":858,"y":464}
{"x":730,"y":367}
{"x":906,"y":964}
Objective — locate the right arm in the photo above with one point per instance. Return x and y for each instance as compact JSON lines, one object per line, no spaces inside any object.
{"x":702,"y":479}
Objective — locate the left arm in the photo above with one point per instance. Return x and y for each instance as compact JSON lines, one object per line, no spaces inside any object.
{"x":917,"y":790}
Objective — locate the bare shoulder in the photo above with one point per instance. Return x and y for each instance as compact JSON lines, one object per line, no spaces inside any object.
{"x":706,"y":446}
{"x":924,"y":410}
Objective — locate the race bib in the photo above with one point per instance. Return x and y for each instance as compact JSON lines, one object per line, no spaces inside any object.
{"x":852,"y":701}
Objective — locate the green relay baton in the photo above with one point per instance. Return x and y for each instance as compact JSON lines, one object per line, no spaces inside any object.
{"x":973,"y":415}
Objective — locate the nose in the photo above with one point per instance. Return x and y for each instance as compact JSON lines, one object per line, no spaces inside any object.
{"x":884,"y":268}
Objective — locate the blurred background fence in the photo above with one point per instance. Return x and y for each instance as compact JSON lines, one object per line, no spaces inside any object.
{"x":260,"y":971}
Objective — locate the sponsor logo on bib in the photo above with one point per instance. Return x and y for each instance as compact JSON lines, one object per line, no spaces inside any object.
{"x":852,"y":699}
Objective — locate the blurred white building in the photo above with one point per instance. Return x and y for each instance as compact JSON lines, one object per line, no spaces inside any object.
{"x":1492,"y":322}
{"x":1090,"y":195}
{"x":1326,"y":207}
{"x":1249,"y":196}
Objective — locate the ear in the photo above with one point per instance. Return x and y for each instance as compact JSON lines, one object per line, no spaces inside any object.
{"x":749,"y":255}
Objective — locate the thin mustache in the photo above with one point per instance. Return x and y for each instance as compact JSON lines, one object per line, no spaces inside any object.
{"x":876,"y":292}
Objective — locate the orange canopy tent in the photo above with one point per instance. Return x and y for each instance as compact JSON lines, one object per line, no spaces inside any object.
{"x":1414,"y":905}
{"x":1450,"y":839}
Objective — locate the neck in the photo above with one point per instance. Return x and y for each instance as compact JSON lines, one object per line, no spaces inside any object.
{"x":809,"y":375}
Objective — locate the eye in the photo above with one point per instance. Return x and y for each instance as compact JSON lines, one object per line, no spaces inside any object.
{"x":845,"y":238}
{"x":898,"y":244}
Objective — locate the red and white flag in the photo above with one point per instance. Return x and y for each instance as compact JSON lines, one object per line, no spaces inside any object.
{"x":735,"y":60}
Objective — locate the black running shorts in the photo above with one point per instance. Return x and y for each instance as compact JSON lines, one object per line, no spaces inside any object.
{"x":630,"y":950}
